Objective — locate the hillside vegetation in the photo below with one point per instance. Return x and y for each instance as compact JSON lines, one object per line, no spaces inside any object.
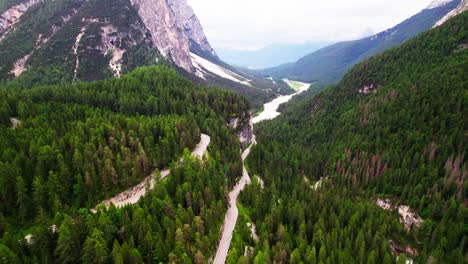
{"x":79,"y":144}
{"x":394,"y":127}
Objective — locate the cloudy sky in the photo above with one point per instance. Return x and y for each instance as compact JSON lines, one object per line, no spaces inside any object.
{"x":251,"y":24}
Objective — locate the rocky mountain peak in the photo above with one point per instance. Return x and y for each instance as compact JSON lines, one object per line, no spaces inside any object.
{"x":173,"y":26}
{"x":188,"y":22}
{"x":93,"y":44}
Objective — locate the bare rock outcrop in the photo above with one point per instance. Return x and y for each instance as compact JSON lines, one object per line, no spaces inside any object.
{"x":14,"y":13}
{"x":462,"y":7}
{"x":173,"y":26}
{"x":188,"y":22}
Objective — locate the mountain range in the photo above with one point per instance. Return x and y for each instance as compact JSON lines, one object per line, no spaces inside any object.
{"x":63,"y":41}
{"x":269,"y":56}
{"x":329,"y":64}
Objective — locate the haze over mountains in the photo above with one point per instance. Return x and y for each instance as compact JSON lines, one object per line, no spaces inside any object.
{"x":331,"y":63}
{"x":269,"y":56}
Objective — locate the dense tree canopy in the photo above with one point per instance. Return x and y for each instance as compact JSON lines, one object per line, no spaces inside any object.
{"x":79,"y":144}
{"x":394,"y":127}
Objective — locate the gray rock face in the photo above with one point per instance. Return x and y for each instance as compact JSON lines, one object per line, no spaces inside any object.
{"x":188,"y":22}
{"x":96,"y":44}
{"x":13,"y":14}
{"x":462,"y":7}
{"x":172,"y":24}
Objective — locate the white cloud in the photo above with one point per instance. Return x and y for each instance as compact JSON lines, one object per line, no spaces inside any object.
{"x":256,"y":23}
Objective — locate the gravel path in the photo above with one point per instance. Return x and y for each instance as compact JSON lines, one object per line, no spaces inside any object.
{"x":133,"y":195}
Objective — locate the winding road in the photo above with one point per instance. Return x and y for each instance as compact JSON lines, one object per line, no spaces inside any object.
{"x":270,"y":112}
{"x":232,"y":213}
{"x":133,"y":195}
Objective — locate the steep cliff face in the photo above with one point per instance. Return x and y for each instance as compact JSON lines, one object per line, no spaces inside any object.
{"x":167,"y":37}
{"x":174,"y":27}
{"x":188,"y":22}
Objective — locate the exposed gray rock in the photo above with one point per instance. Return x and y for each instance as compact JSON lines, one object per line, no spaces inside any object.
{"x":462,"y":7}
{"x":173,"y":25}
{"x":188,"y":22}
{"x":14,"y":13}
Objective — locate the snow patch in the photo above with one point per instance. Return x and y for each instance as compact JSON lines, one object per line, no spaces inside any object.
{"x":204,"y":66}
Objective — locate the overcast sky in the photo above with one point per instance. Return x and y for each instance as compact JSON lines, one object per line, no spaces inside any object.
{"x":252,"y":24}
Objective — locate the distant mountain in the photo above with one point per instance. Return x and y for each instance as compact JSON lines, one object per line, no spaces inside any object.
{"x":62,"y":41}
{"x":331,"y":63}
{"x":269,"y":56}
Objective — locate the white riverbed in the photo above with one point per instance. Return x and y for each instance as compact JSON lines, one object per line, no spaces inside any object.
{"x":270,"y":109}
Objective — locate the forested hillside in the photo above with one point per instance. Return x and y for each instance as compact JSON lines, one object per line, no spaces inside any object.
{"x":394,"y":127}
{"x":63,"y":148}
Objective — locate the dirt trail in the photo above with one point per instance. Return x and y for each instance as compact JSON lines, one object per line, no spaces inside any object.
{"x":133,"y":195}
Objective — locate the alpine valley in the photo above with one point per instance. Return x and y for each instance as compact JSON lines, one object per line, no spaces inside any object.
{"x":124,"y":138}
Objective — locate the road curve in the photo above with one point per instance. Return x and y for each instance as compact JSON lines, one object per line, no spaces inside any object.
{"x":232,"y":213}
{"x":133,"y":195}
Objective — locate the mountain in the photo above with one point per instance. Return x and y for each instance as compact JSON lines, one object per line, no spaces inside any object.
{"x":331,"y":63}
{"x":269,"y":56}
{"x":86,"y":43}
{"x":372,"y":169}
{"x":50,"y":42}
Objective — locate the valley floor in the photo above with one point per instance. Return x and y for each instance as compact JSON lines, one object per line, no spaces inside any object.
{"x":270,"y":112}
